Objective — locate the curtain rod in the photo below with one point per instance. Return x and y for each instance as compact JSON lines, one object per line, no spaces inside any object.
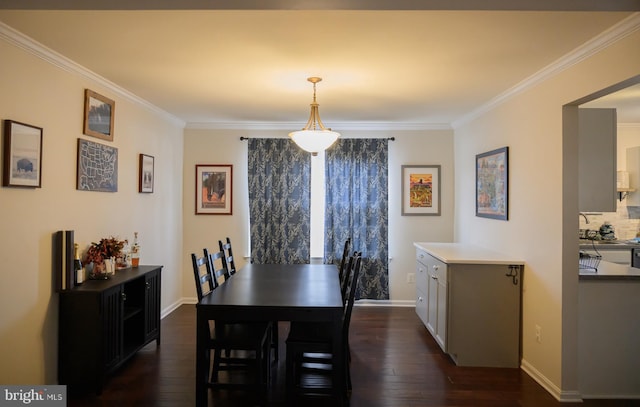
{"x":248,"y":138}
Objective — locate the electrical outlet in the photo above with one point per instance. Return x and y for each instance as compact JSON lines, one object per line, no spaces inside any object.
{"x":538,"y":334}
{"x":411,"y":278}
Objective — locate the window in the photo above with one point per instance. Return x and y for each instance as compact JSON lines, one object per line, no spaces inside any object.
{"x":317,"y":205}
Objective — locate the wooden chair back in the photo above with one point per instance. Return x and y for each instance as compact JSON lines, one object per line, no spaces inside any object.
{"x":203,"y":278}
{"x":230,"y":263}
{"x":217,"y":267}
{"x":352,"y":284}
{"x":344,"y":261}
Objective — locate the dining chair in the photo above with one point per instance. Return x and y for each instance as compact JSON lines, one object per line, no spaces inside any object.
{"x":309,"y":346}
{"x":217,"y":266}
{"x":204,"y":279}
{"x":343,"y":262}
{"x":229,"y":261}
{"x":230,"y":265}
{"x":247,"y":344}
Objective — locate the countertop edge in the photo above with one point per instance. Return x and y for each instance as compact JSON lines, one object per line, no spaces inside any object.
{"x":462,"y":253}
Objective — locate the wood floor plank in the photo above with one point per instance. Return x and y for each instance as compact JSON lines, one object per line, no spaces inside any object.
{"x":395,"y":363}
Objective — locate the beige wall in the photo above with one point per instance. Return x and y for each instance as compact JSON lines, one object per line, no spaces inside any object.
{"x":542,"y":188}
{"x":38,"y":93}
{"x":410,"y":147}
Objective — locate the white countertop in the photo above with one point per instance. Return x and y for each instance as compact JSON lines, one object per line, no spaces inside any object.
{"x":461,"y":253}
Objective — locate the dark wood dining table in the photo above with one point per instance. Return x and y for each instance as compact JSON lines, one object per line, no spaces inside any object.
{"x":273,"y":292}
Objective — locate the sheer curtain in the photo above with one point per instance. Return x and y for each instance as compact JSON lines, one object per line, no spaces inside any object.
{"x":279,"y":201}
{"x":356,"y":206}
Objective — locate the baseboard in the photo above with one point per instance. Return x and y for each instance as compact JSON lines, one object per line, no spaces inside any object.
{"x":611,"y":397}
{"x":385,"y":303}
{"x":168,"y":310}
{"x":555,"y":391}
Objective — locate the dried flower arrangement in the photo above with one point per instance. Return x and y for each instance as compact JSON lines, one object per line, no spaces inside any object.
{"x":104,"y":249}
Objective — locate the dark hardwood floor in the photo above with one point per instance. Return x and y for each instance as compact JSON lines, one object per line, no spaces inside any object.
{"x":395,"y":363}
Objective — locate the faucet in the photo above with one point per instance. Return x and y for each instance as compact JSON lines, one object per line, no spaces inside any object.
{"x":586,"y":220}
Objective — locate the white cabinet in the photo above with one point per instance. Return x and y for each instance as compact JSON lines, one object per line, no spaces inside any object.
{"x":597,"y":166}
{"x":437,"y":300}
{"x":421,"y":286}
{"x":470,"y":307}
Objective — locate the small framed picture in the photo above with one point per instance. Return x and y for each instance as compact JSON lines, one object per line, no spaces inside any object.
{"x":22,"y":158}
{"x":213,"y":189}
{"x":421,"y":190}
{"x":98,"y":115}
{"x":492,"y":184}
{"x":145,"y":174}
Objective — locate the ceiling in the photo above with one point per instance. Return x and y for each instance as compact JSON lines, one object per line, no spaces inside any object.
{"x":224,"y":68}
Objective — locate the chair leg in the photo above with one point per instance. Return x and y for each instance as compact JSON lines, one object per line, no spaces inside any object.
{"x":274,"y":340}
{"x":290,"y":367}
{"x":216,"y":365}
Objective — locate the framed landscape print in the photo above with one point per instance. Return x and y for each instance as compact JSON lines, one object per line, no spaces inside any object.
{"x":145,"y":174}
{"x":213,"y":189}
{"x":22,"y":155}
{"x":421,"y":190}
{"x":98,"y":115}
{"x":492,"y":184}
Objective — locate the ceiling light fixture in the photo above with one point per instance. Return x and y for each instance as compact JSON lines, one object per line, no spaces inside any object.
{"x":314,"y":137}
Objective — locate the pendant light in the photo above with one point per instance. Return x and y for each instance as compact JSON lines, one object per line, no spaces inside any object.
{"x":314,"y":137}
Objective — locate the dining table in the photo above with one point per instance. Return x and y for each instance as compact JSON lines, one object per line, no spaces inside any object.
{"x":274,"y":292}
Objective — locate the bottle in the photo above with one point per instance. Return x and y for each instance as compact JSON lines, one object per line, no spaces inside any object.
{"x":77,"y":266}
{"x":135,"y":251}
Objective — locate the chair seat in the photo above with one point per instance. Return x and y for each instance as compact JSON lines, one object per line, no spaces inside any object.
{"x":310,"y":332}
{"x":242,"y":336}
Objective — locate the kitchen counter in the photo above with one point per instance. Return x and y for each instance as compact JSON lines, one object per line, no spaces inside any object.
{"x":586,"y":244}
{"x":461,"y":253}
{"x":469,"y":299}
{"x":608,"y":334}
{"x":610,"y":271}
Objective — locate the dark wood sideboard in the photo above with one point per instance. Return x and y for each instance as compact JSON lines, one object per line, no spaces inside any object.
{"x":102,"y":323}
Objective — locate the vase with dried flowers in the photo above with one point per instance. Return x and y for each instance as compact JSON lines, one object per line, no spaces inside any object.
{"x":106,"y":248}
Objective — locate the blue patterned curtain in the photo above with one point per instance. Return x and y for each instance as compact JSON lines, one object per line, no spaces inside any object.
{"x":279,"y":201}
{"x":357,"y":207}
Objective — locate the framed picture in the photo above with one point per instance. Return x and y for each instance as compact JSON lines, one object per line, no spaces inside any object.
{"x":213,"y":189}
{"x":492,"y":184}
{"x":145,"y":174}
{"x":22,"y":158}
{"x":97,"y":167}
{"x":421,"y":190}
{"x":98,"y":115}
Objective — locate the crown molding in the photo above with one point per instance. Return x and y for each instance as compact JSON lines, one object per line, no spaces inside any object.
{"x":519,"y":5}
{"x":19,"y":40}
{"x":615,"y":33}
{"x":341,"y":126}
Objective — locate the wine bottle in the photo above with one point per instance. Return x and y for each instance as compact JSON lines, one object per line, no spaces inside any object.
{"x":135,"y":251}
{"x":77,"y":266}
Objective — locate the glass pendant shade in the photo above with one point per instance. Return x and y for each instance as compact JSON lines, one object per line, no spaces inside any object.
{"x":314,"y":141}
{"x":314,"y":137}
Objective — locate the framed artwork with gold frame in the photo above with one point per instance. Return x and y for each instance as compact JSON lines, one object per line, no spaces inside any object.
{"x":98,"y":115}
